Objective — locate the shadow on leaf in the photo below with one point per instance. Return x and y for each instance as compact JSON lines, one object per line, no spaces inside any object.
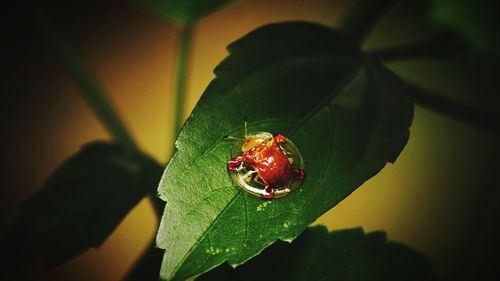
{"x":79,"y":205}
{"x":347,"y":255}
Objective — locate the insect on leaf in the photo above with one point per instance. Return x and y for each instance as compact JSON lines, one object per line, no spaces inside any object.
{"x":347,"y":115}
{"x":347,"y":255}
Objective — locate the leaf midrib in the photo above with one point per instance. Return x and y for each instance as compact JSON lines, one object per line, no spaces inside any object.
{"x":301,"y":121}
{"x":349,"y":78}
{"x":258,"y":68}
{"x":230,"y":203}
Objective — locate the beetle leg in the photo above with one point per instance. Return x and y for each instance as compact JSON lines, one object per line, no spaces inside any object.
{"x":268,"y":192}
{"x":252,"y":176}
{"x":248,"y":176}
{"x":280,"y":138}
{"x":258,"y":179}
{"x":299,"y":174}
{"x":235,"y":163}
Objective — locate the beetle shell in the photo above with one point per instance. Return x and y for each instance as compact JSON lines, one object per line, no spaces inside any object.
{"x":267,"y":166}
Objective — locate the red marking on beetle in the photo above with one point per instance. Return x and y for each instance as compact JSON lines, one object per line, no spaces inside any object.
{"x":269,"y":160}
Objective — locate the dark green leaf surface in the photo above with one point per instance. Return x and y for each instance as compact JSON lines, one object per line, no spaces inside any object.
{"x":348,"y":116}
{"x":80,"y":204}
{"x":477,"y":21}
{"x":185,"y":11}
{"x":342,"y":255}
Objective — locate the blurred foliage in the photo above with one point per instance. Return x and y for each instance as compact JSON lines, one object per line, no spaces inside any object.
{"x":341,"y":255}
{"x":86,"y":198}
{"x":79,"y":205}
{"x":477,"y":21}
{"x":184,"y":11}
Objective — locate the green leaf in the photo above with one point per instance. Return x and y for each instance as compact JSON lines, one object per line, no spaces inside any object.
{"x":80,"y":204}
{"x":476,"y":20}
{"x":345,"y":255}
{"x":346,"y":114}
{"x":185,"y":11}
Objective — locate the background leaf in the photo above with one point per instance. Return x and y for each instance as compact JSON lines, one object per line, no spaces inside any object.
{"x":476,"y":21}
{"x":347,"y":255}
{"x":184,"y":11}
{"x":80,"y":204}
{"x":347,"y":115}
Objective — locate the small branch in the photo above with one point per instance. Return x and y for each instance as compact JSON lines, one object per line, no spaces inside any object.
{"x":363,"y":16}
{"x":93,"y":93}
{"x":89,"y":86}
{"x":147,"y":267}
{"x":439,"y":46}
{"x":456,"y":110}
{"x":181,"y":75}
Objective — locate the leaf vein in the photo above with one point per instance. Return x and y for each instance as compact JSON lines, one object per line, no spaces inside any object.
{"x":325,"y":101}
{"x":196,"y":203}
{"x":246,"y":220}
{"x":328,"y":159}
{"x":205,"y":233}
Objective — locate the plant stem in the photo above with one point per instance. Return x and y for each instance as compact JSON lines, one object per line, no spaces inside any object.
{"x":89,"y":86}
{"x":362,"y":17}
{"x":181,"y":73}
{"x":147,"y":266}
{"x":454,"y":109}
{"x":439,"y":46}
{"x":93,"y":93}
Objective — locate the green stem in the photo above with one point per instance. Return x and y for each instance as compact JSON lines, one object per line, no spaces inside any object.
{"x":89,"y":86}
{"x":181,"y":75}
{"x":439,"y":46}
{"x":149,"y":263}
{"x":92,"y":92}
{"x":362,"y":17}
{"x":456,"y":110}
